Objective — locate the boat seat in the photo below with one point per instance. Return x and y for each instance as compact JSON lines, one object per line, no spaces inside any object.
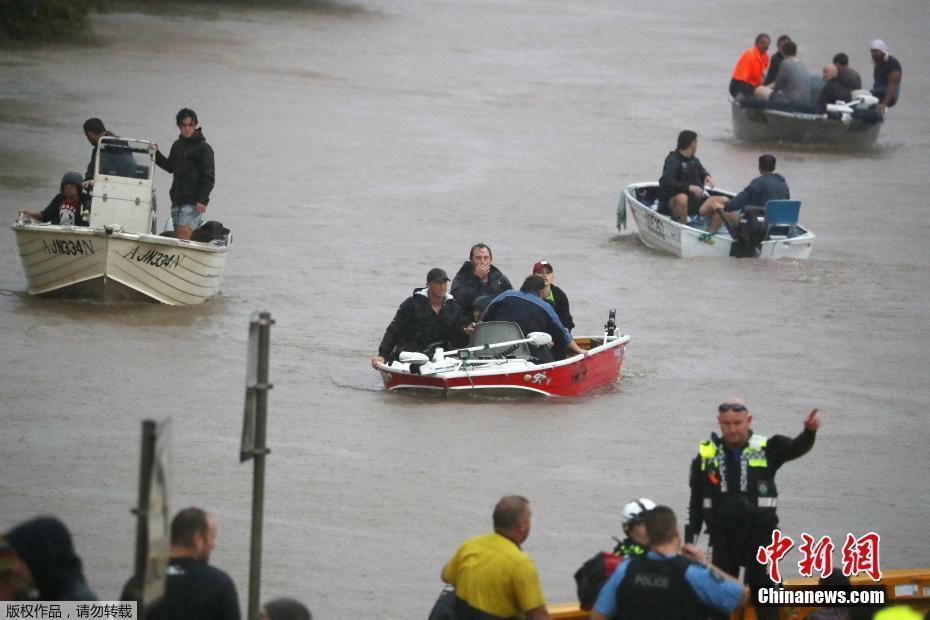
{"x":491,"y":332}
{"x":782,"y":217}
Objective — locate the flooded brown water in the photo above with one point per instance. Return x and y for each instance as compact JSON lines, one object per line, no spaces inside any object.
{"x":359,"y":146}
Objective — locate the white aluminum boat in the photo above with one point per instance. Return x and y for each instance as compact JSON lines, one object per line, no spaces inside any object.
{"x":785,"y":238}
{"x":118,"y":256}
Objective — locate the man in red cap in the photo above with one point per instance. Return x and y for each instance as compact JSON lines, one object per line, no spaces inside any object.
{"x":553,"y":294}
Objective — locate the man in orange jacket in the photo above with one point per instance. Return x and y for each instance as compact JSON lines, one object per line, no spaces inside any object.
{"x":750,"y":68}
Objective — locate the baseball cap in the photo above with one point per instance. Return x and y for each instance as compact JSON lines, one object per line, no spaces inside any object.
{"x":540,"y":264}
{"x":437,"y":275}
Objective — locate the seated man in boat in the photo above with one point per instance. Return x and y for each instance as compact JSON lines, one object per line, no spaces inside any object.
{"x":477,"y":277}
{"x":848,"y":76}
{"x":429,"y":317}
{"x":833,"y":88}
{"x":750,"y":68}
{"x":527,"y":309}
{"x":681,"y":187}
{"x":68,"y":207}
{"x":792,"y":84}
{"x":769,"y":185}
{"x":553,"y":294}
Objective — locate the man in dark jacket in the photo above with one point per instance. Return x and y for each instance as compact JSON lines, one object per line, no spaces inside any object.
{"x":681,"y":187}
{"x":68,"y":206}
{"x":769,"y":185}
{"x":477,"y":278}
{"x":94,"y":129}
{"x":45,"y":555}
{"x":733,"y":488}
{"x":427,"y":317}
{"x":527,"y":309}
{"x":833,"y":88}
{"x":848,"y":76}
{"x":553,"y":294}
{"x":194,"y":590}
{"x":191,"y":162}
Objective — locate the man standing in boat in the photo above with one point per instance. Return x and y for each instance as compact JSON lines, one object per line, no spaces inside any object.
{"x":733,"y":488}
{"x":428,"y":317}
{"x":681,"y":187}
{"x":477,"y":277}
{"x":67,"y":208}
{"x":191,"y":162}
{"x":887,"y":75}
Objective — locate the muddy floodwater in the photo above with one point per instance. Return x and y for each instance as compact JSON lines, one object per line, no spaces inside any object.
{"x":359,"y":145}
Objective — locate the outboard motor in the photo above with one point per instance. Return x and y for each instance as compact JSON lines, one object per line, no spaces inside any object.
{"x":749,"y":233}
{"x":610,"y":328}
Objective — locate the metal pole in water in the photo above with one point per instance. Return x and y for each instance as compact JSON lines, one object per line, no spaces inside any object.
{"x":257,"y":387}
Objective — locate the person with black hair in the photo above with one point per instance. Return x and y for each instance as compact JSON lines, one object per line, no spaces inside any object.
{"x":94,"y":129}
{"x":668,"y":581}
{"x":775,"y":60}
{"x":478,"y":277}
{"x":848,"y":76}
{"x":792,"y":84}
{"x":194,"y":590}
{"x":769,"y":185}
{"x":190,"y":160}
{"x":681,"y":186}
{"x":45,"y":558}
{"x":527,"y":309}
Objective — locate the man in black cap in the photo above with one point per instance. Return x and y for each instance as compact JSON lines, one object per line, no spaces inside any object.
{"x":428,"y":318}
{"x":68,"y":206}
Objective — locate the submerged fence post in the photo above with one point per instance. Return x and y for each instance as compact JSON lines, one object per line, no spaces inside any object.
{"x":253,"y":441}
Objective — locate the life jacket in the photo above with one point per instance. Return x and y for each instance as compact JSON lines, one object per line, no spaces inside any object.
{"x":754,"y":495}
{"x":594,"y":573}
{"x":656,"y":588}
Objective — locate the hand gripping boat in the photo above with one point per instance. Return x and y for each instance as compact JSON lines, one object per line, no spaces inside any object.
{"x":118,"y":257}
{"x":499,"y":362}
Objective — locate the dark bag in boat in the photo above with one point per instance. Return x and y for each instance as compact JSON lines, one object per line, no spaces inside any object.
{"x":592,"y":576}
{"x":749,"y":233}
{"x":444,"y":609}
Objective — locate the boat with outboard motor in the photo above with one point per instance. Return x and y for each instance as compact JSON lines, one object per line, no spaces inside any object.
{"x":498,"y":361}
{"x":780,"y":237}
{"x":850,"y":123}
{"x":118,"y":256}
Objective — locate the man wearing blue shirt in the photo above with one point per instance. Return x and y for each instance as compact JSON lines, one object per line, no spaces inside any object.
{"x":527,"y":309}
{"x":669,"y":581}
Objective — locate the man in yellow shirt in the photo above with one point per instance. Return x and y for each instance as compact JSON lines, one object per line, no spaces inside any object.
{"x":492,"y":576}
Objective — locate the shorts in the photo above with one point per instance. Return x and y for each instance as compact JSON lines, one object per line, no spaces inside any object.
{"x":694,"y":205}
{"x":738,"y":87}
{"x":186,"y":215}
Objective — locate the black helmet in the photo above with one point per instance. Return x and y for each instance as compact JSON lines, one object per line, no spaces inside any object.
{"x":71,"y":178}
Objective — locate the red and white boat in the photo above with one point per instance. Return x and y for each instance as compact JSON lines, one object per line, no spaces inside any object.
{"x":498,"y":361}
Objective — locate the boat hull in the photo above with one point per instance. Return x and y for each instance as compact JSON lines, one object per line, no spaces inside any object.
{"x":663,"y":233}
{"x":762,"y":125}
{"x":86,"y":263}
{"x":574,"y":376}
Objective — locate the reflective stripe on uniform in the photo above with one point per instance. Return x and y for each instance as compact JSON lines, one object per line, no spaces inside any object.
{"x":708,"y":503}
{"x":767,"y":502}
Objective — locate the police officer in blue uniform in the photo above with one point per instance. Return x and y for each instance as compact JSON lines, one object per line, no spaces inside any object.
{"x":733,"y":488}
{"x":668,"y":581}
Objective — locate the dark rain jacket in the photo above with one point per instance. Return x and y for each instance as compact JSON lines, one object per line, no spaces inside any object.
{"x":531,"y":313}
{"x":467,"y":287}
{"x":738,"y":511}
{"x":678,"y":173}
{"x":191,"y":162}
{"x":89,"y":174}
{"x":44,"y":545}
{"x":415,"y":326}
